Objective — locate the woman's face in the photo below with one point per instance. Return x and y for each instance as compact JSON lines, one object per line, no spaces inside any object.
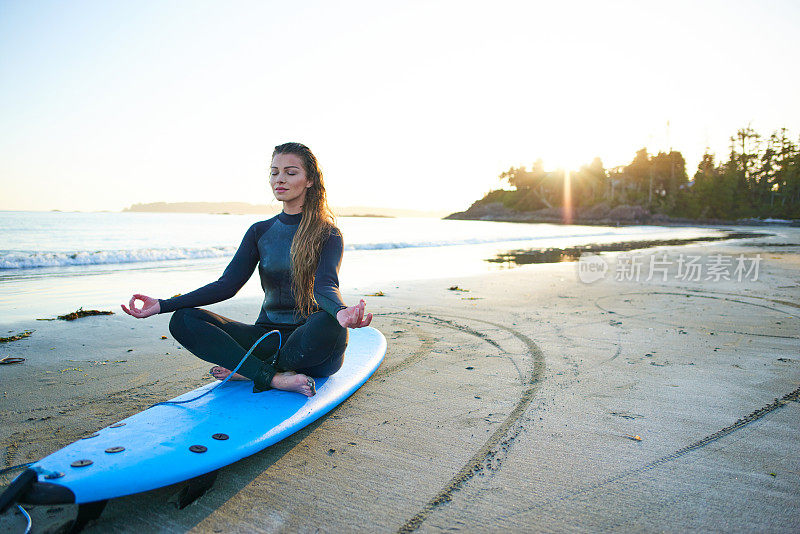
{"x":288,"y":180}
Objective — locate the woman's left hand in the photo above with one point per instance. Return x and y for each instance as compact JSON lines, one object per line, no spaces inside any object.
{"x":353,"y":317}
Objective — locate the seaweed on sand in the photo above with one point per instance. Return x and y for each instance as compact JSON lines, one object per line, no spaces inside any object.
{"x":16,"y":337}
{"x":80,"y":312}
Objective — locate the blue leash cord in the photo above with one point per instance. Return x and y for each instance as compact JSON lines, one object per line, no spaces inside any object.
{"x":27,"y":517}
{"x":249,"y":352}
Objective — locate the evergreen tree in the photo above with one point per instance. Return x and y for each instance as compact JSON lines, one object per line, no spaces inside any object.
{"x":741,"y":167}
{"x":710,"y":196}
{"x":637,"y":177}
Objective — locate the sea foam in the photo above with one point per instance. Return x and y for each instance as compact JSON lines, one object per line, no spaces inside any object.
{"x":39,"y":259}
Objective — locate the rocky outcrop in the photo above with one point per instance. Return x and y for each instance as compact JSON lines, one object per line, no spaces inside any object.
{"x":490,"y":211}
{"x":598,"y":214}
{"x":601,"y":213}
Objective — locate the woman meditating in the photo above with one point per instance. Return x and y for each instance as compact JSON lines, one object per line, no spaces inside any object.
{"x":298,"y":253}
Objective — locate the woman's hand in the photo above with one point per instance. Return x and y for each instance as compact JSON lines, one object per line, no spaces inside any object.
{"x":150,"y":306}
{"x":353,"y":317}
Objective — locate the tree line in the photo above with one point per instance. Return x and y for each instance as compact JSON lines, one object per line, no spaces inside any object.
{"x":759,"y":178}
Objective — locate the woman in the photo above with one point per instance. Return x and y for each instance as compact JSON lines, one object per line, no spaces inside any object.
{"x":298,"y":253}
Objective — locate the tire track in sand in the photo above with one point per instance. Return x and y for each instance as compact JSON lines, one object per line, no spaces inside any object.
{"x":490,"y":455}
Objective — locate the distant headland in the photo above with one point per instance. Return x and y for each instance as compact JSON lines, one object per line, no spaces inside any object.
{"x":245,"y":208}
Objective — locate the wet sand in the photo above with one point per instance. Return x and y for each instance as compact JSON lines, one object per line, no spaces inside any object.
{"x":515,"y":405}
{"x":515,"y":258}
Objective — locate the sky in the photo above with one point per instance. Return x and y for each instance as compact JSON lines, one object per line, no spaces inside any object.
{"x":407,"y":104}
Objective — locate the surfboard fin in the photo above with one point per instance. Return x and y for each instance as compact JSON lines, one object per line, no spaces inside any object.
{"x":87,"y":512}
{"x":194,"y":489}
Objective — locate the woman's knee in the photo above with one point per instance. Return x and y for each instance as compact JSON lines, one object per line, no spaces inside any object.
{"x":324,"y":339}
{"x":178,"y":323}
{"x":332,"y":358}
{"x":323,"y":327}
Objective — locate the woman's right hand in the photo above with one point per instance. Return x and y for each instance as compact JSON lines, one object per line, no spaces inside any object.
{"x":150,"y":306}
{"x":353,"y":317}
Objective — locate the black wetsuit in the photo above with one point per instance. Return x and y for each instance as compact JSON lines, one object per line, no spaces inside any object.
{"x":313,"y":346}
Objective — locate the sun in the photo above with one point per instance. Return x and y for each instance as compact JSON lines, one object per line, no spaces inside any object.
{"x":565,"y":161}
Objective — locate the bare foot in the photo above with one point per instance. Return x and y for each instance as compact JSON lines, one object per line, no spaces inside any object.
{"x":291,"y":381}
{"x":220,"y":373}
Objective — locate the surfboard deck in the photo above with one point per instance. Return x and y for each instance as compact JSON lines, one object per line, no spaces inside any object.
{"x":166,"y":444}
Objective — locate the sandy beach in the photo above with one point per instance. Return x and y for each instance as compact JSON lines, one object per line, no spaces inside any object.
{"x":528,"y":400}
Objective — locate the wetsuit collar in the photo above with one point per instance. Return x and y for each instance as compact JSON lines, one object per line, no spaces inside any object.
{"x":285,"y":218}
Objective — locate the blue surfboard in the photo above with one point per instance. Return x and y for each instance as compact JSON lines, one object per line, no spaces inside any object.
{"x":171,"y":443}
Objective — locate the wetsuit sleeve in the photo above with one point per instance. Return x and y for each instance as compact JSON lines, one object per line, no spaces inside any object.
{"x":233,"y":278}
{"x":326,"y":279}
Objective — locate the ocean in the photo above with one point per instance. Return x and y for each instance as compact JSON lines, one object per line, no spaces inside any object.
{"x":52,"y":263}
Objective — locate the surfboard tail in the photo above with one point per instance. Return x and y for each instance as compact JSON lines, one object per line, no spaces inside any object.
{"x":27,"y":491}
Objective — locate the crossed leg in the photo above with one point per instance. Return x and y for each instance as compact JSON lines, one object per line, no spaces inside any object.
{"x":316,"y":348}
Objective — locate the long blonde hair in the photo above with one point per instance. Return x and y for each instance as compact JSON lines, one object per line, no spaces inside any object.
{"x":316,"y":225}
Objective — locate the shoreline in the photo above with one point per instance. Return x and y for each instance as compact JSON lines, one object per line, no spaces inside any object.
{"x":600,"y":215}
{"x":106,"y":284}
{"x":529,"y":218}
{"x":506,"y":256}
